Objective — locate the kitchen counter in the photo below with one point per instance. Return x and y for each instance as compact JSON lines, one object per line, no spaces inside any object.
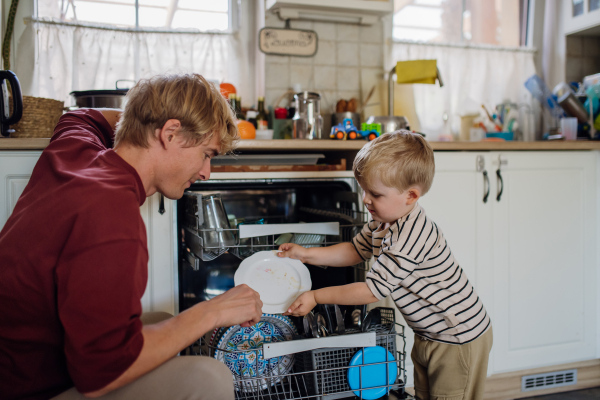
{"x":334,"y":145}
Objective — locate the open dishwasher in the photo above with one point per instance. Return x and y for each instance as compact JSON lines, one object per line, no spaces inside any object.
{"x":354,"y":354}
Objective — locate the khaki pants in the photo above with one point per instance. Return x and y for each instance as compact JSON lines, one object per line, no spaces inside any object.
{"x":180,"y":378}
{"x":449,"y":371}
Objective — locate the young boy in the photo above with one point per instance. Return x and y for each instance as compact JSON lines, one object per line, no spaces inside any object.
{"x":414,"y":265}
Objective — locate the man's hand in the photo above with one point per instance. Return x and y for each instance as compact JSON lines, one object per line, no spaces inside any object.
{"x":294,"y":251}
{"x":238,"y":306}
{"x":303,"y":304}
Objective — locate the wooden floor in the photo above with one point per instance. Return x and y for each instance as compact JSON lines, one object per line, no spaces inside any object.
{"x":586,"y":394}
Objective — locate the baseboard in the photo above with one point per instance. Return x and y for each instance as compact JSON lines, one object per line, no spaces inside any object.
{"x":507,"y":386}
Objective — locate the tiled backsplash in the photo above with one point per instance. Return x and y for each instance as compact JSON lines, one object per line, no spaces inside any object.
{"x":583,"y":57}
{"x":349,"y":61}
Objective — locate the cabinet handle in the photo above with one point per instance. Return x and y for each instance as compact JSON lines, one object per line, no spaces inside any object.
{"x":501,"y":182}
{"x":486,"y":186}
{"x":161,"y":205}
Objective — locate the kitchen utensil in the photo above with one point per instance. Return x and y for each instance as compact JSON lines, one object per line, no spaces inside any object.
{"x":339,"y":319}
{"x":540,"y":91}
{"x":311,"y":328}
{"x":307,"y":122}
{"x":338,"y":118}
{"x":372,"y":318}
{"x":389,"y":123}
{"x":365,"y":376}
{"x":17,"y":102}
{"x":321,"y":325}
{"x":567,"y":100}
{"x":111,"y":98}
{"x":278,"y":281}
{"x":215,"y":228}
{"x":241,"y":350}
{"x":568,"y":128}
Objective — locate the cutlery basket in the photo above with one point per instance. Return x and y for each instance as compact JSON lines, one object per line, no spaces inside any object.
{"x":327,"y":369}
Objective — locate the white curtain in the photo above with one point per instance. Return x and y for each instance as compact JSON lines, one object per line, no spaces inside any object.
{"x":55,"y":59}
{"x":472,"y":76}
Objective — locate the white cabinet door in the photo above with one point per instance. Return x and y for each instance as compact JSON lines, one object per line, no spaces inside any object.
{"x":160,"y":292}
{"x":544,"y":257}
{"x":578,"y":15}
{"x":15,"y":170}
{"x":455,"y":203}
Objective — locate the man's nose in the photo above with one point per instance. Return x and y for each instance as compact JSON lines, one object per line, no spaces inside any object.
{"x":205,"y":171}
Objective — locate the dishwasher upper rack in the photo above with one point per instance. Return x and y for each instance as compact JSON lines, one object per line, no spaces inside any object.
{"x":193,"y":236}
{"x":317,"y":374}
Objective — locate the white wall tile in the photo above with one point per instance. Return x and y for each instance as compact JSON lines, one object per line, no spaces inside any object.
{"x":326,"y":53}
{"x":269,"y":59}
{"x":348,"y":94}
{"x":302,"y":60}
{"x":347,"y":32}
{"x":325,"y":30}
{"x":301,"y":25}
{"x":277,"y":76}
{"x":325,"y":78}
{"x":347,"y":54}
{"x":371,"y":33}
{"x":371,"y":55}
{"x":273,"y":21}
{"x":302,"y":74}
{"x":370,"y":77}
{"x":328,"y":100}
{"x":347,"y":79}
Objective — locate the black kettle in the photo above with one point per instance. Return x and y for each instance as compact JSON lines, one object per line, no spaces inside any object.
{"x":17,"y":99}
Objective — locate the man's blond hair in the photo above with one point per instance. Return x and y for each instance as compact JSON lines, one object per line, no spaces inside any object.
{"x":400,"y":159}
{"x":189,"y":98}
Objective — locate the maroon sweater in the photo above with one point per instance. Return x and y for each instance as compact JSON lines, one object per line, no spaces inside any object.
{"x":73,"y":267}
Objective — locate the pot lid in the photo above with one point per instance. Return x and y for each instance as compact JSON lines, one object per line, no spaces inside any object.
{"x":107,"y":92}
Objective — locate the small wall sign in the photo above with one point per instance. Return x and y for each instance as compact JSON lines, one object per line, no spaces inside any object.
{"x":288,"y":42}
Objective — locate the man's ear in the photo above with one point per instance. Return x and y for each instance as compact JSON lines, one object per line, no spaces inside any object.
{"x":414,"y":193}
{"x":168,"y":134}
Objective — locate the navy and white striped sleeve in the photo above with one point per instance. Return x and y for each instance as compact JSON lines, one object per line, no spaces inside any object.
{"x":388,"y":271}
{"x":363,"y":242}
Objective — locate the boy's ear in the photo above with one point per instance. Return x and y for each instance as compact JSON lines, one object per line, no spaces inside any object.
{"x":414,"y":193}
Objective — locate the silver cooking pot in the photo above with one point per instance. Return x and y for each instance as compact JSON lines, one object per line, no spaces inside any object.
{"x":110,"y":98}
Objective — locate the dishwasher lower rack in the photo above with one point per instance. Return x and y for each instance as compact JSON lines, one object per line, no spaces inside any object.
{"x":316,"y":374}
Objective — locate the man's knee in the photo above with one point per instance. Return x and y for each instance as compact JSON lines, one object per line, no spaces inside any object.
{"x":206,"y":372}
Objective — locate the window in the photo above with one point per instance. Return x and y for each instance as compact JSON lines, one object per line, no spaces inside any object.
{"x":199,"y":15}
{"x":492,"y":22}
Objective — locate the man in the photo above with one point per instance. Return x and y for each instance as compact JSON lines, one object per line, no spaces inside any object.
{"x":73,"y":255}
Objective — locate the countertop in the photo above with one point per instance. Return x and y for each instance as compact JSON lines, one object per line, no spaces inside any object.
{"x":349,"y":145}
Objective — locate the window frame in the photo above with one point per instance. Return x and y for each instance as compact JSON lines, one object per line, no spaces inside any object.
{"x":234,"y":18}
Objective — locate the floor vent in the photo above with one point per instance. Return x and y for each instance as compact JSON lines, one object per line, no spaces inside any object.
{"x":548,"y":380}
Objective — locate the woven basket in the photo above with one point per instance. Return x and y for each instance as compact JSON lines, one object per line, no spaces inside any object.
{"x":40,"y":117}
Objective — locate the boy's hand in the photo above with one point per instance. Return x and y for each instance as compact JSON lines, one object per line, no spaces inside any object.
{"x":303,"y":304}
{"x":293,"y":250}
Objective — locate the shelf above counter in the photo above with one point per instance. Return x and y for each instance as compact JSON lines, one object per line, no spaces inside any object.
{"x":349,"y":145}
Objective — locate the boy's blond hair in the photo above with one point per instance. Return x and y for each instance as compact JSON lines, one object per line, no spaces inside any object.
{"x":189,"y":98}
{"x":400,"y":159}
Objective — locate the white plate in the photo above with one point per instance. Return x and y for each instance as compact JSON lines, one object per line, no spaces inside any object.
{"x":279,"y":281}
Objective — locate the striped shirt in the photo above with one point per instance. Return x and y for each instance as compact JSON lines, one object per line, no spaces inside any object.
{"x":414,"y":265}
